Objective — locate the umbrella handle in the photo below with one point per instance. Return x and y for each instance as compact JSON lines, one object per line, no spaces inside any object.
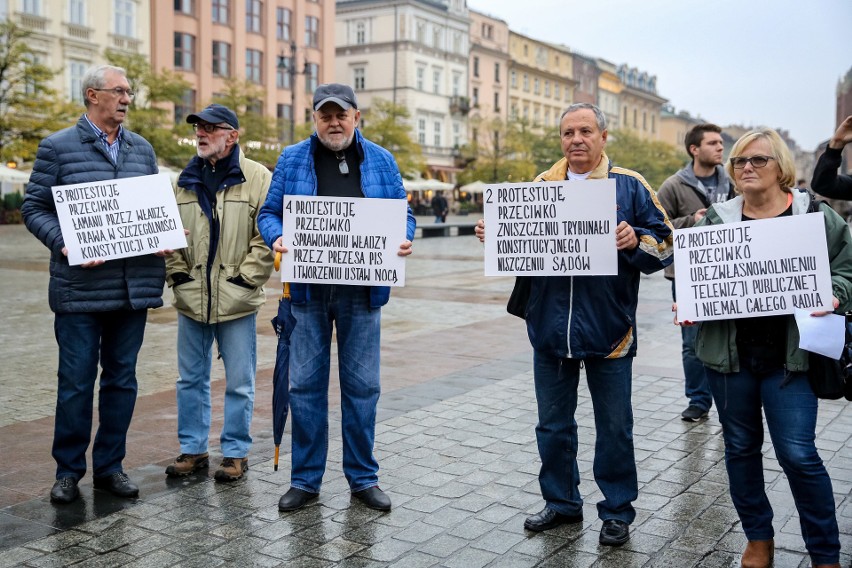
{"x":277,"y":261}
{"x":275,"y":460}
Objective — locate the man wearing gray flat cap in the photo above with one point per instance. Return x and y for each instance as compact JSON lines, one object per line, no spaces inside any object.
{"x":336,"y":161}
{"x":217,"y":282}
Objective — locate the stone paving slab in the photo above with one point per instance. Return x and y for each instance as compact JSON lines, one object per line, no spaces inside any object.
{"x":455,"y":441}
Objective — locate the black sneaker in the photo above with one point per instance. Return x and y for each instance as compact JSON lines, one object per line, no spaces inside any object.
{"x":694,"y":413}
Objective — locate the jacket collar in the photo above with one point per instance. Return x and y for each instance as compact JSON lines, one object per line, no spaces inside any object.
{"x":559,"y":170}
{"x":731,"y":211}
{"x":191,"y":175}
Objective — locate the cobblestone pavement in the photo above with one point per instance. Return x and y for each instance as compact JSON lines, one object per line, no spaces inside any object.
{"x":455,"y":442}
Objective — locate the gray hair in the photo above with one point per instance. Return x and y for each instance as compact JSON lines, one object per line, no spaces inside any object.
{"x":95,"y":78}
{"x":600,"y":118}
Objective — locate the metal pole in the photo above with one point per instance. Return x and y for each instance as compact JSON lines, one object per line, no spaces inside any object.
{"x":292,"y":72}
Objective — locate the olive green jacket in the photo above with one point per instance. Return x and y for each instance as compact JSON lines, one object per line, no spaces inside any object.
{"x":716,"y":345}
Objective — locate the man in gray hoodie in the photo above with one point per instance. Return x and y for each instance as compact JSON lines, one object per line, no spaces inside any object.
{"x":686,"y":197}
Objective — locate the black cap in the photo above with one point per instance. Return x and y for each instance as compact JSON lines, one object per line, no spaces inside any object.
{"x":214,"y":114}
{"x":341,"y":95}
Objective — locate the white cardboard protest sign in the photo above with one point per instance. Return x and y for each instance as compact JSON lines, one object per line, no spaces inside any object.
{"x":118,"y":218}
{"x":753,"y":268}
{"x":550,"y":228}
{"x":344,"y":240}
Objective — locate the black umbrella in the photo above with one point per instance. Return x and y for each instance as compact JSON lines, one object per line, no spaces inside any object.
{"x":283,"y":324}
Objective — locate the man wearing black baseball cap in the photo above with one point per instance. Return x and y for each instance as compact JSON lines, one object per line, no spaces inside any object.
{"x":217,"y":282}
{"x":335,"y":161}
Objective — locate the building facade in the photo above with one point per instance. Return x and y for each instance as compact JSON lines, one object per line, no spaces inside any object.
{"x":586,"y":74}
{"x":413,"y":53}
{"x":640,"y":104}
{"x":284,"y":47}
{"x":72,"y":35}
{"x":541,"y":81}
{"x":609,"y":91}
{"x":489,"y":67}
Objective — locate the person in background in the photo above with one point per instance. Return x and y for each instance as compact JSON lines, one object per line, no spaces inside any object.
{"x":336,"y":161}
{"x":755,"y":364}
{"x":686,"y":196}
{"x":826,"y":180}
{"x":590,"y":321}
{"x":101,"y":307}
{"x":440,"y":207}
{"x":217,"y":282}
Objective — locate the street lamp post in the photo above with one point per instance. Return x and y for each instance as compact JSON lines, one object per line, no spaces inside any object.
{"x":290,"y":67}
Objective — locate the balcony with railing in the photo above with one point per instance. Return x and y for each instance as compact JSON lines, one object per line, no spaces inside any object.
{"x":459,"y":105}
{"x":125,"y":43}
{"x":78,"y":32}
{"x":32,"y":22}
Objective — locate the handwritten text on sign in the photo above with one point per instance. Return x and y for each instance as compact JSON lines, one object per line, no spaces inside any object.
{"x":753,"y":268}
{"x":553,"y":228}
{"x":118,"y":218}
{"x":344,"y":240}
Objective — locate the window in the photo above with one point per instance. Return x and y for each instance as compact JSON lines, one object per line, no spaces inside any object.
{"x":282,"y":72}
{"x":283,"y":17}
{"x":436,"y":81}
{"x":536,"y":86}
{"x":360,"y":33}
{"x":311,"y":77}
{"x":635,"y":120}
{"x":77,"y":16}
{"x":653,"y":124}
{"x":496,"y":102}
{"x":437,"y":133}
{"x":185,"y":7}
{"x":456,"y":84}
{"x":624,"y":116}
{"x":547,"y":88}
{"x":526,"y":83}
{"x":311,"y":31}
{"x":421,"y":31}
{"x":475,"y":66}
{"x":436,"y":37}
{"x":475,"y":97}
{"x":184,"y":51}
{"x":76,"y":70}
{"x":254,"y":66}
{"x":221,"y":12}
{"x":32,"y":7}
{"x":556,"y":91}
{"x":456,"y":135}
{"x":487,"y":31}
{"x":513,"y":112}
{"x":284,"y":114}
{"x":221,"y":59}
{"x":358,"y":78}
{"x":421,"y":77}
{"x":513,"y":79}
{"x":185,"y":107}
{"x":421,"y":131}
{"x":457,"y":43}
{"x":125,"y":18}
{"x":254,"y":9}
{"x":644,"y":120}
{"x":497,"y":72}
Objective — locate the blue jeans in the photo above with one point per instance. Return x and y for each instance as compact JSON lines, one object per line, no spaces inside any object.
{"x":85,"y":339}
{"x":237,"y":344}
{"x":697,"y":389}
{"x":609,"y":380}
{"x":791,"y":415}
{"x":358,"y":336}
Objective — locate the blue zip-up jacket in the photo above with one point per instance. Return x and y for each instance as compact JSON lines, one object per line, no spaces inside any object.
{"x":595,"y":316}
{"x":76,"y":155}
{"x":295,"y":174}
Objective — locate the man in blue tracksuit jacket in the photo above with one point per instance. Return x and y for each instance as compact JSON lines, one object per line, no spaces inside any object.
{"x":591,"y":320}
{"x":336,"y":161}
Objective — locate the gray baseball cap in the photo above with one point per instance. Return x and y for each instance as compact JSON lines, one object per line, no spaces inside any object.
{"x":337,"y":93}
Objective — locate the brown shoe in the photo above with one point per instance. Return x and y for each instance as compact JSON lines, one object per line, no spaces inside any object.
{"x":759,"y":554}
{"x":231,"y":469}
{"x":186,"y":464}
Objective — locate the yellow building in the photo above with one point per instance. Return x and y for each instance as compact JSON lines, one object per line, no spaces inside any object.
{"x":640,"y":104}
{"x":541,"y":83}
{"x":609,"y":92}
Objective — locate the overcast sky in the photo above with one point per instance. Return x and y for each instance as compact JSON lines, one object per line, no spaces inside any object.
{"x":752,"y":62}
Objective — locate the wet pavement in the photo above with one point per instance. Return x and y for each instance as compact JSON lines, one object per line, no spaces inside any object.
{"x":455,"y":441}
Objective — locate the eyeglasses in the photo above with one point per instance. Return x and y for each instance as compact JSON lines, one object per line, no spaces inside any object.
{"x":119,"y":91}
{"x":209,"y":128}
{"x":740,"y":162}
{"x":341,"y":164}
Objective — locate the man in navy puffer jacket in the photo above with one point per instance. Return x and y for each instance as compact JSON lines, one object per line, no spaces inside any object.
{"x":335,"y":161}
{"x":100,"y":307}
